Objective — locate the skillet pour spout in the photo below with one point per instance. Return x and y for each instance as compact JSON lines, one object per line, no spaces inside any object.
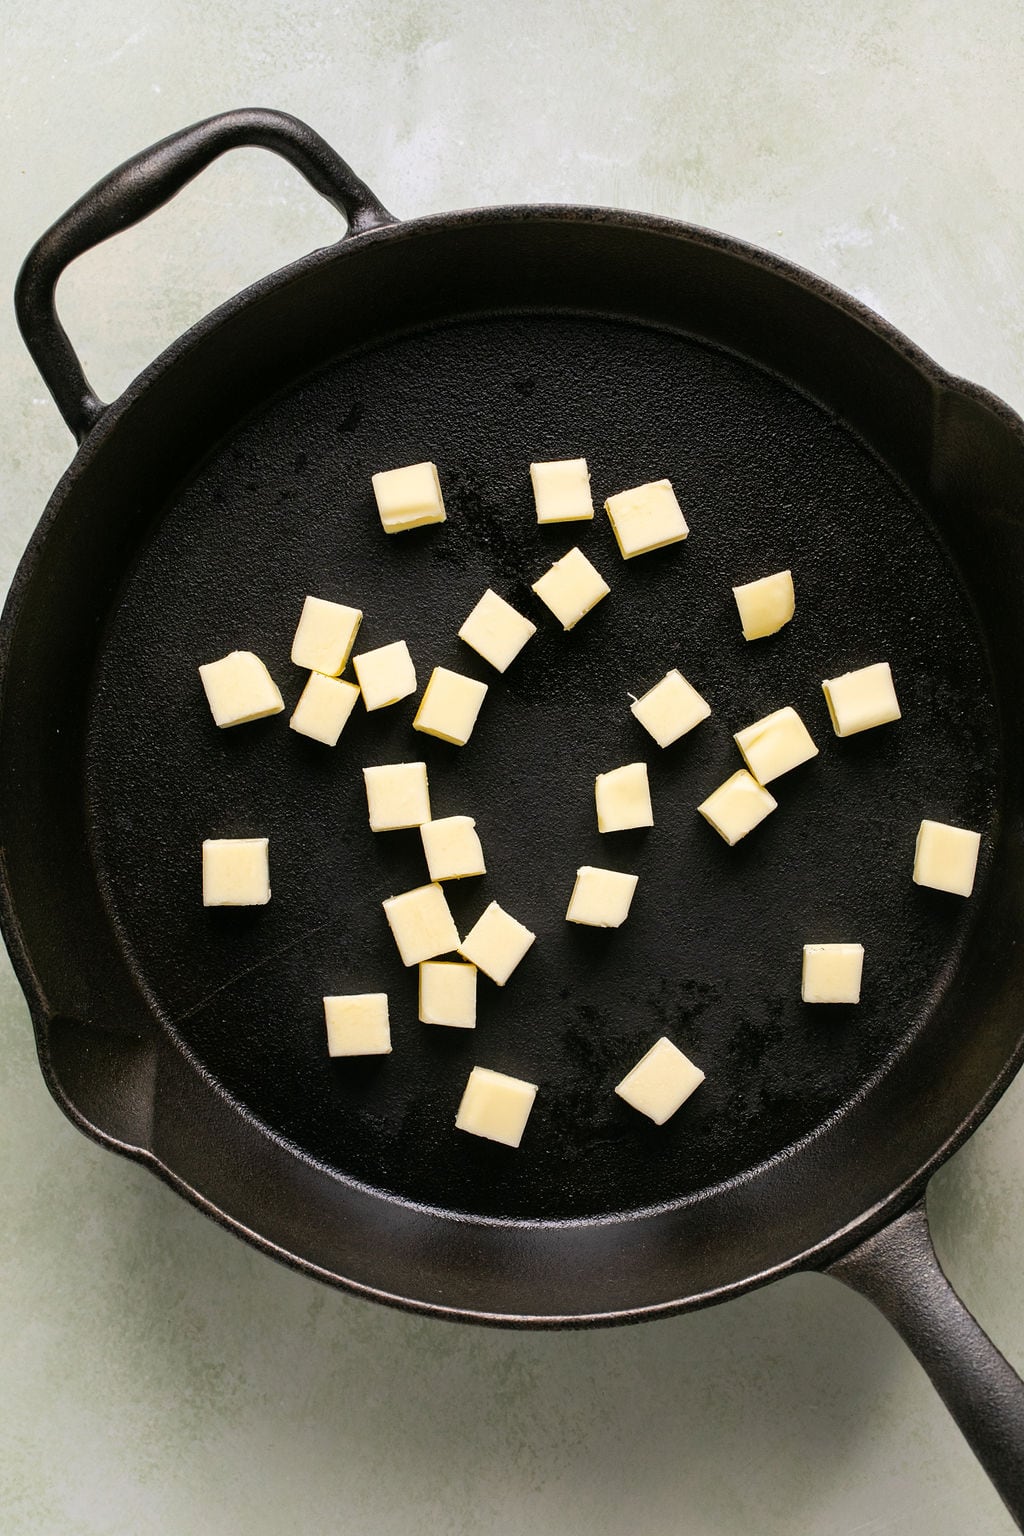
{"x":232,"y":478}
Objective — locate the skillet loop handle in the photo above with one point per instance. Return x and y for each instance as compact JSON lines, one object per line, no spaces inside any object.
{"x":899,"y":1271}
{"x":138,"y":188}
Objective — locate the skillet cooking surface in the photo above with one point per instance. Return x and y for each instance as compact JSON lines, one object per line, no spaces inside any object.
{"x":710,"y":954}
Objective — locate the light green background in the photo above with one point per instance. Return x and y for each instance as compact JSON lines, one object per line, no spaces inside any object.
{"x":156,"y":1376}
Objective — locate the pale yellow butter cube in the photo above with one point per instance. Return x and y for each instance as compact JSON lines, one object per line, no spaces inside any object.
{"x":946,"y":858}
{"x":325,"y":636}
{"x":776,"y":744}
{"x":358,"y":1025}
{"x":623,"y":799}
{"x":736,"y":807}
{"x":452,"y":848}
{"x":832,"y":973}
{"x":601,"y":898}
{"x":495,"y":1106}
{"x":660,"y":1082}
{"x":236,"y":872}
{"x":397,"y":796}
{"x":670,"y":709}
{"x":449,"y":706}
{"x":645,"y":518}
{"x":239,"y":689}
{"x":561,"y":491}
{"x":496,"y":631}
{"x":448,"y":994}
{"x":323,"y":708}
{"x":421,"y":923}
{"x":496,"y":943}
{"x":409,"y":497}
{"x":385,"y":675}
{"x":571,"y":588}
{"x":860,"y":700}
{"x":765,"y":605}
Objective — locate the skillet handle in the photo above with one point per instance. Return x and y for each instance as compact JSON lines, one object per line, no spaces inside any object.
{"x":899,"y":1271}
{"x":138,"y":188}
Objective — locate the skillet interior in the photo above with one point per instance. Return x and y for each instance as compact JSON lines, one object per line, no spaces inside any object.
{"x":244,"y":506}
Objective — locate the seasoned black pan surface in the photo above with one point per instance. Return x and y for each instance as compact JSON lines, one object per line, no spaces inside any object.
{"x":710,"y":955}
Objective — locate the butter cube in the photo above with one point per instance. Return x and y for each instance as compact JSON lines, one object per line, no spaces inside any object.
{"x":645,"y":518}
{"x":670,"y":709}
{"x":449,"y":706}
{"x":776,"y":744}
{"x":860,"y":700}
{"x":601,"y":898}
{"x":660,"y":1082}
{"x":325,"y":636}
{"x":496,"y":631}
{"x":239,"y":688}
{"x":385,"y":675}
{"x":408,"y":498}
{"x":571,"y":588}
{"x":765,"y":605}
{"x":946,"y":857}
{"x":236,"y":872}
{"x":448,"y":994}
{"x":495,"y":1106}
{"x":452,"y":848}
{"x":561,"y":490}
{"x":357,"y":1025}
{"x":736,"y":807}
{"x":496,"y":943}
{"x":323,"y":708}
{"x":831,"y":973}
{"x":397,"y":796}
{"x":623,"y":799}
{"x":421,"y":924}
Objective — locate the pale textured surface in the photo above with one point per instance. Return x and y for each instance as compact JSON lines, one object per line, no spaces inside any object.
{"x":161,"y":1378}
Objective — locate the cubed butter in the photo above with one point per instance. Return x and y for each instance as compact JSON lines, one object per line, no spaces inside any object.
{"x":236,"y":872}
{"x":601,"y":898}
{"x":765,"y":605}
{"x":385,"y":675}
{"x":776,"y":744}
{"x":831,"y":973}
{"x":946,"y":857}
{"x":495,"y":1106}
{"x":449,"y":706}
{"x":660,"y":1082}
{"x":623,"y":799}
{"x":409,"y":497}
{"x":325,"y":636}
{"x":561,"y":490}
{"x":357,"y":1025}
{"x":645,"y":518}
{"x":670,"y":709}
{"x":736,"y":807}
{"x":323,"y":708}
{"x":448,"y":994}
{"x":421,"y":923}
{"x":496,"y":943}
{"x":571,"y":588}
{"x":239,"y":688}
{"x":496,"y":631}
{"x":397,"y":796}
{"x":859,"y":700}
{"x":452,"y":848}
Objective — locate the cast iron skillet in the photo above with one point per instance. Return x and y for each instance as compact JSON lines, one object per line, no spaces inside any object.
{"x":233,"y":477}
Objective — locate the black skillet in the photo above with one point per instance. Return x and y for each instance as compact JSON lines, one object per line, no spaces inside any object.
{"x":233,"y":477}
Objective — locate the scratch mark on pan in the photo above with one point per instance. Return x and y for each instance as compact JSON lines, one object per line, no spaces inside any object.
{"x":249,"y":970}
